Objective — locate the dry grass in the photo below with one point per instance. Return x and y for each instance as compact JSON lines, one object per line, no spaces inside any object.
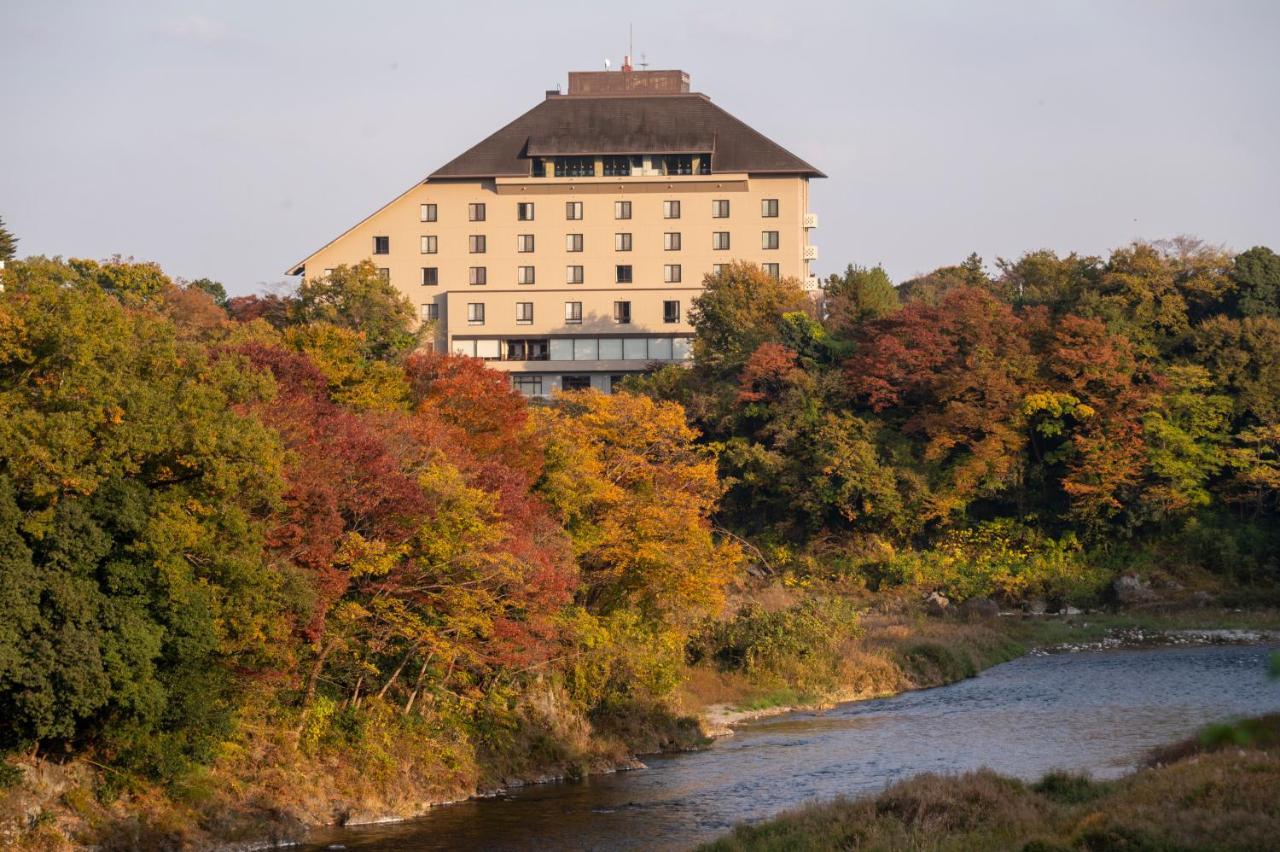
{"x":1212,"y":797}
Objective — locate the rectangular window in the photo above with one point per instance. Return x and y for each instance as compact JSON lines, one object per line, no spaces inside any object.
{"x":769,"y":208}
{"x":575,"y":166}
{"x":622,"y":209}
{"x":622,"y":274}
{"x":615,"y":383}
{"x":573,"y":275}
{"x":524,"y":243}
{"x":678,"y":164}
{"x":718,"y":268}
{"x":611,"y":349}
{"x":515,"y":351}
{"x":617,"y":166}
{"x":573,"y":312}
{"x":768,"y":239}
{"x":671,"y":273}
{"x":720,"y":240}
{"x":586,"y":349}
{"x":477,"y":275}
{"x":720,"y":209}
{"x":622,"y":242}
{"x":385,"y":274}
{"x":489,"y":350}
{"x":575,"y":383}
{"x":773,"y":270}
{"x":524,"y":211}
{"x":622,"y":312}
{"x":671,"y":210}
{"x":527,"y":385}
{"x":475,"y":313}
{"x":524,"y":275}
{"x":475,"y":212}
{"x":476,"y":243}
{"x":524,"y":313}
{"x":382,"y":245}
{"x":430,"y":312}
{"x":671,"y":311}
{"x":573,"y":210}
{"x":430,"y":276}
{"x":537,"y":350}
{"x":671,"y":242}
{"x":573,"y":242}
{"x":429,"y":245}
{"x":426,"y":212}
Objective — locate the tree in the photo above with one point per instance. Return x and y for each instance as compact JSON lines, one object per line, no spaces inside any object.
{"x":954,"y":375}
{"x":861,"y":294}
{"x":8,"y":243}
{"x":360,"y":299}
{"x":133,"y":283}
{"x":740,"y":308}
{"x":213,"y":289}
{"x":132,"y":487}
{"x":1043,"y":278}
{"x":636,"y":493}
{"x":1256,"y":276}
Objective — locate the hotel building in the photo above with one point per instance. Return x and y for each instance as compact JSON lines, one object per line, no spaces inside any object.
{"x":567,"y":247}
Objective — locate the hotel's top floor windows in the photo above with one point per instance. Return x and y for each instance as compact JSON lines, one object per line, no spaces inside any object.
{"x":622,"y":165}
{"x":575,"y":166}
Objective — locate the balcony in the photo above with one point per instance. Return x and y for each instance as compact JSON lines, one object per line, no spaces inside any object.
{"x":810,"y":221}
{"x":810,"y":252}
{"x":811,"y":284}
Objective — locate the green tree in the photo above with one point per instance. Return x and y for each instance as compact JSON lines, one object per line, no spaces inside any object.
{"x":133,"y":597}
{"x":360,"y":299}
{"x":8,"y":243}
{"x":740,"y":308}
{"x":860,"y":294}
{"x":1256,"y":276}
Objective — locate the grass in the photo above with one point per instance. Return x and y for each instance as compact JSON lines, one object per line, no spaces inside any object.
{"x":1216,"y":793}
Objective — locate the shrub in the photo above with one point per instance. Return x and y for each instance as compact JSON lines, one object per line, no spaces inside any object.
{"x":800,"y":646}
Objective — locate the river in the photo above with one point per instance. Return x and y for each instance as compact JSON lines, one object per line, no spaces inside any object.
{"x":1097,"y":712}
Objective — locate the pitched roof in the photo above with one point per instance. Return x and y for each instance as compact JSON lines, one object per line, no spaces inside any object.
{"x":625,"y":124}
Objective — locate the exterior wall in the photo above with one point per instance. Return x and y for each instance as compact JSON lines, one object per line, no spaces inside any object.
{"x":400,"y":222}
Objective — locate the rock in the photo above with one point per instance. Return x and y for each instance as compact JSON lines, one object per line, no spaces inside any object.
{"x":1132,"y":590}
{"x":936,"y":603}
{"x":979,"y":609}
{"x":1037,"y":606}
{"x":1070,"y":610}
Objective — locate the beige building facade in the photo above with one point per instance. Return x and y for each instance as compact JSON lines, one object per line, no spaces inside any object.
{"x":567,"y":248}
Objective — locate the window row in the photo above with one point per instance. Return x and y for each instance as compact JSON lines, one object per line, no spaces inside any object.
{"x":672,"y":273}
{"x":622,"y":274}
{"x":577,"y":349}
{"x":477,"y":211}
{"x":572,"y":312}
{"x":622,"y":165}
{"x":671,"y":241}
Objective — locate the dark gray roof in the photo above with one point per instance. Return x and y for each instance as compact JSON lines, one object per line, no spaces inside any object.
{"x":625,"y":124}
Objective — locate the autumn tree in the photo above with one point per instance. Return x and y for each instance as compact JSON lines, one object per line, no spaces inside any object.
{"x":740,"y":308}
{"x":360,"y":299}
{"x":1255,"y":276}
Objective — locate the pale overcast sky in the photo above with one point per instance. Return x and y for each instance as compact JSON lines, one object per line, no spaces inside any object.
{"x":230,"y":139}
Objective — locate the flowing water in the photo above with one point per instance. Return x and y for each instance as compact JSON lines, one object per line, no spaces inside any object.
{"x":1095,"y":712}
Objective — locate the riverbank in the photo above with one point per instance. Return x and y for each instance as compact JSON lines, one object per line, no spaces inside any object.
{"x":265,"y":789}
{"x":908,"y":651}
{"x":1215,"y":791}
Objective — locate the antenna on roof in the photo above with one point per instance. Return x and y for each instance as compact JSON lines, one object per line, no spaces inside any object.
{"x":642,"y":63}
{"x":607,"y":64}
{"x":626,"y":60}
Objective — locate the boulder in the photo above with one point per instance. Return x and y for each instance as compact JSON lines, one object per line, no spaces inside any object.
{"x":936,"y":603}
{"x":979,"y":609}
{"x":1036,"y":606}
{"x":1133,"y":590}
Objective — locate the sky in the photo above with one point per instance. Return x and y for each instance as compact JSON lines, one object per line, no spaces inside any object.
{"x":231,"y":139}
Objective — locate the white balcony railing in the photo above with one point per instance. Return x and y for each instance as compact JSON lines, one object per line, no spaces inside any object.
{"x":810,"y":252}
{"x":810,"y":221}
